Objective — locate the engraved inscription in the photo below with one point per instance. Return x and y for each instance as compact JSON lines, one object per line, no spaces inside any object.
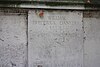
{"x":57,"y":17}
{"x":55,"y":40}
{"x":54,"y":22}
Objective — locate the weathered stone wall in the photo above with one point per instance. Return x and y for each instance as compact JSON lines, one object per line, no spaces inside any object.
{"x":49,"y":38}
{"x":91,"y":39}
{"x":55,"y":39}
{"x":13,"y":40}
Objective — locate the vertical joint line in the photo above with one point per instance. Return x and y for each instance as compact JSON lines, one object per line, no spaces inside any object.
{"x":83,"y":36}
{"x":27,"y":37}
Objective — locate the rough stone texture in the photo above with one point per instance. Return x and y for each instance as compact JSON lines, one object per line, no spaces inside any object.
{"x":92,"y":39}
{"x":55,"y":38}
{"x":13,"y":40}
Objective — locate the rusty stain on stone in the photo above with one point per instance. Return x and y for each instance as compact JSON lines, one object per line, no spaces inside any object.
{"x":40,"y":13}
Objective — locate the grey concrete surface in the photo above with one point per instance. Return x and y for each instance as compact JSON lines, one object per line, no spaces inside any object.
{"x":92,"y":39}
{"x":13,"y":39}
{"x":55,"y":38}
{"x":52,"y":38}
